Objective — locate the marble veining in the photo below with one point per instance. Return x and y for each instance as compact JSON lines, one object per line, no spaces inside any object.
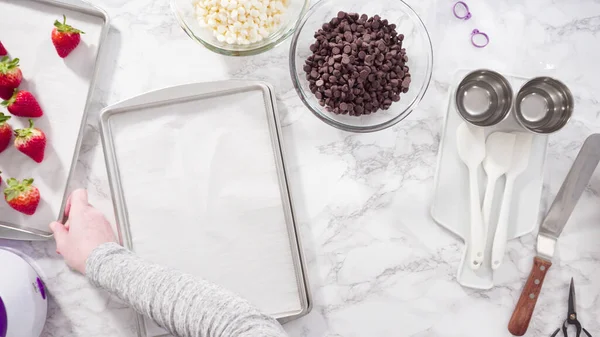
{"x":378,"y":264}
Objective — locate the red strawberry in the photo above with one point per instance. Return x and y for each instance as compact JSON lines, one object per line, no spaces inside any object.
{"x":23,"y":104}
{"x":22,"y":196}
{"x":5,"y":133}
{"x":65,"y":38}
{"x":3,"y":51}
{"x":6,"y":93}
{"x":10,"y":74}
{"x":31,"y":141}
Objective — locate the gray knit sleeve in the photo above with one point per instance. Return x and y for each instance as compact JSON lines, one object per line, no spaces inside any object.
{"x":184,"y":305}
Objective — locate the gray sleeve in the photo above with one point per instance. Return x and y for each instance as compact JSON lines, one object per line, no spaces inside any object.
{"x":184,"y":305}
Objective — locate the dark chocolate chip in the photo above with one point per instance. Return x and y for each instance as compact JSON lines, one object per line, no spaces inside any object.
{"x":348,"y":36}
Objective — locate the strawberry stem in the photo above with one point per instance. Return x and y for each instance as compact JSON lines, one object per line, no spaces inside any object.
{"x":64,"y":28}
{"x":25,"y":133}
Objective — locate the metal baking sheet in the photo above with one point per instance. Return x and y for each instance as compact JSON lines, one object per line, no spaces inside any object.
{"x":199,"y":184}
{"x":63,"y":88}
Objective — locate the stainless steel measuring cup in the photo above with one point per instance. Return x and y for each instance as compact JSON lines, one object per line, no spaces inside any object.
{"x":484,"y":98}
{"x":543,"y":105}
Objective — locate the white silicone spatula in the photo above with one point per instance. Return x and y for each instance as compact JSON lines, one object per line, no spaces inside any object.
{"x":498,"y":156}
{"x":471,"y":150}
{"x":520,"y":161}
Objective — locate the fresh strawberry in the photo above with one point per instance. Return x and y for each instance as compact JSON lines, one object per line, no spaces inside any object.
{"x":31,"y":141}
{"x":65,"y":38}
{"x":6,"y":93}
{"x":5,"y":132}
{"x":3,"y":51}
{"x":22,"y":196}
{"x":23,"y":104}
{"x":10,"y":74}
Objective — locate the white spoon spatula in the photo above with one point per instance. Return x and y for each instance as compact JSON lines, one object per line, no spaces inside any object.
{"x":499,"y":148}
{"x":520,"y":161}
{"x":471,"y":150}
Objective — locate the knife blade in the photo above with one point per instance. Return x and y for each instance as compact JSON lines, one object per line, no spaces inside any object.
{"x":555,"y":221}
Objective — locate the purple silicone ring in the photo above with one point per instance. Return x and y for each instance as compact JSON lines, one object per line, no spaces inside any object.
{"x":477,"y":32}
{"x":464,"y":5}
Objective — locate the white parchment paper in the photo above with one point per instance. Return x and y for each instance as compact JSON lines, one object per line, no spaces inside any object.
{"x":61,"y":87}
{"x":202,"y":193}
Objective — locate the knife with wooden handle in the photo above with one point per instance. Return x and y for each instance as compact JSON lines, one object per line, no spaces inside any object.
{"x":577,"y":179}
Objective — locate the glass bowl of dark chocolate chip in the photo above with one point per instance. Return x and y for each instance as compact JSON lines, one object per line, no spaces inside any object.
{"x":361,"y":66}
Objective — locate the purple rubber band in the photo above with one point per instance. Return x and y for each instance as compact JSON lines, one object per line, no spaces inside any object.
{"x":477,"y":32}
{"x":460,"y":3}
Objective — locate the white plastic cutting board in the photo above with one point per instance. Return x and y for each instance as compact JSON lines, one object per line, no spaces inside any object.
{"x":450,"y":207}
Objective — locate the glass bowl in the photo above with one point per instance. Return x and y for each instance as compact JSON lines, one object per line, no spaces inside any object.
{"x":185,"y":13}
{"x":418,"y":49}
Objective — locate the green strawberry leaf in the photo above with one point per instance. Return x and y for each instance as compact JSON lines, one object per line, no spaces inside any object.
{"x":11,"y":100}
{"x":11,"y":194}
{"x":23,"y":133}
{"x":3,"y":118}
{"x":16,"y":188}
{"x":6,"y":65}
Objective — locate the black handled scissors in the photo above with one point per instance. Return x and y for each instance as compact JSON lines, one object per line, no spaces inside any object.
{"x":572,"y":317}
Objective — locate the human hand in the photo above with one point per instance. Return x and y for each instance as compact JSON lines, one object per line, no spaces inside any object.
{"x":85,"y":229}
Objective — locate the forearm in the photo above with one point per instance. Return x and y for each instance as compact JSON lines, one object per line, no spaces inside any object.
{"x":180,"y":303}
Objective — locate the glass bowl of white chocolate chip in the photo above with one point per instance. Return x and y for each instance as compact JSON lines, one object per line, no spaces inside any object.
{"x":239,"y":27}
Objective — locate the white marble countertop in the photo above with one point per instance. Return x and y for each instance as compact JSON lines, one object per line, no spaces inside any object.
{"x":378,"y":264}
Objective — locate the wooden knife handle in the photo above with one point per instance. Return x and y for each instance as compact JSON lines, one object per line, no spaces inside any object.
{"x":519,"y":322}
